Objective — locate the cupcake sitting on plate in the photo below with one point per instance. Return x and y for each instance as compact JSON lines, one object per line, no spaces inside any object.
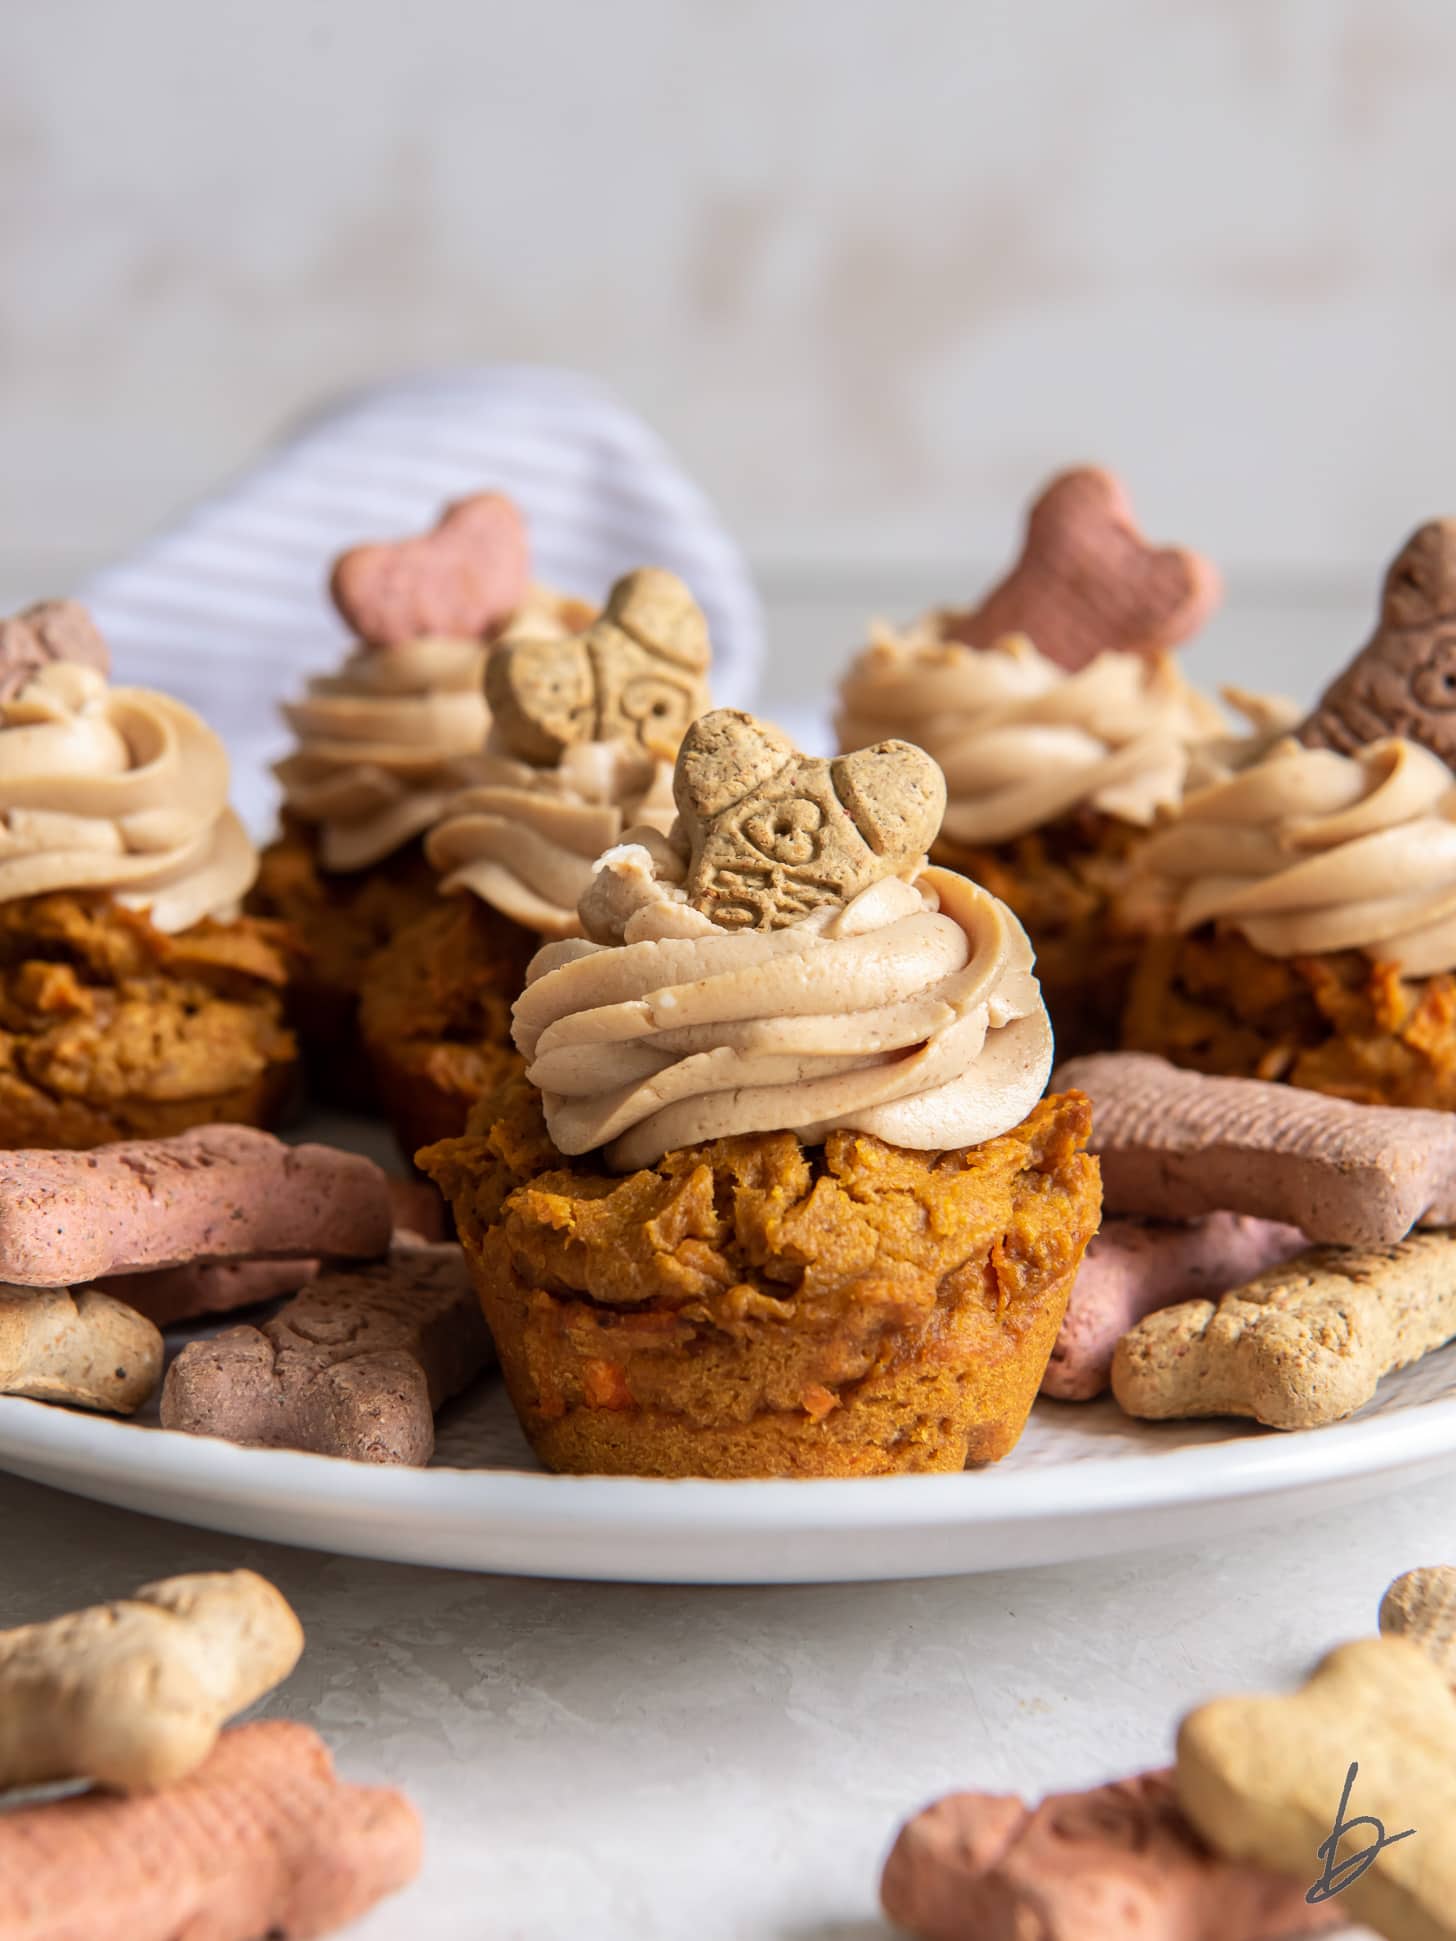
{"x":584,"y":731}
{"x":134,"y":999}
{"x":779,"y":1193}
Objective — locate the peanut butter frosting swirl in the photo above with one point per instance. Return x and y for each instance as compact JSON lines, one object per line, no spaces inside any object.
{"x":1022,"y":741}
{"x":1309,"y":851}
{"x":117,"y":789}
{"x":911,"y":1012}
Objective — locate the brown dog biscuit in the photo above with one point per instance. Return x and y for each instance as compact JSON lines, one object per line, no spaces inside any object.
{"x":1110,"y":1864}
{"x":1403,"y":681}
{"x":173,"y":1294}
{"x":1088,"y":583}
{"x":419,"y":1208}
{"x":356,"y":1366}
{"x":263,"y":1839}
{"x":462,"y":580}
{"x":223,"y":1192}
{"x":637,"y":675}
{"x":54,"y":630}
{"x":83,"y":1348}
{"x":1175,"y":1144}
{"x":1421,"y":1606}
{"x":776,"y":835}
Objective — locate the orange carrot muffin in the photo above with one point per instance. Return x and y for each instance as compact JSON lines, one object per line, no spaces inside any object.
{"x":583,"y":735}
{"x":133,"y":997}
{"x":779,"y":1194}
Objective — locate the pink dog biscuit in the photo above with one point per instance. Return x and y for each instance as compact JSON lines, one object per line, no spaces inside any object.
{"x":1111,"y":1864}
{"x":462,"y":580}
{"x":1176,"y":1144}
{"x":1133,"y":1267}
{"x":219,"y":1192}
{"x":173,"y":1294}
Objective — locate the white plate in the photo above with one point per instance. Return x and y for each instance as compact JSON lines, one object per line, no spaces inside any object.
{"x":1083,"y":1480}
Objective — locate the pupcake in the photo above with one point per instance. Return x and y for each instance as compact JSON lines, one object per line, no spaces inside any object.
{"x":584,"y":731}
{"x":778,"y":1193}
{"x":134,"y":999}
{"x":380,"y":746}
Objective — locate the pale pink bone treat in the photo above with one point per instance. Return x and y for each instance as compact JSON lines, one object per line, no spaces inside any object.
{"x":186,"y":1293}
{"x":1088,"y":583}
{"x":1175,"y":1144}
{"x":220,"y":1192}
{"x":1133,"y":1267}
{"x":263,"y":1839}
{"x":50,"y":631}
{"x":356,"y":1366}
{"x":1116,"y":1863}
{"x":462,"y":580}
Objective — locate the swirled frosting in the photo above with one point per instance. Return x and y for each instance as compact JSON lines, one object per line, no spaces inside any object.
{"x":1309,"y":851}
{"x":911,"y":1012}
{"x":117,"y":789}
{"x":1022,"y":741}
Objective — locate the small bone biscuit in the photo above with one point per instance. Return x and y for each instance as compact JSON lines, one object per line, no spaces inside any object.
{"x":1116,"y":1862}
{"x":173,"y":1294}
{"x":1303,"y":1345}
{"x":133,"y":1694}
{"x":264,"y":1839}
{"x":1134,"y":1267}
{"x":222,"y":1192}
{"x":83,"y":1348}
{"x":1175,"y":1144}
{"x":635,"y":675}
{"x":776,"y":835}
{"x":54,"y":630}
{"x":1403,"y":681}
{"x":356,"y":1366}
{"x":462,"y":580}
{"x":1262,"y":1778}
{"x":1088,"y":583}
{"x":1421,"y":1606}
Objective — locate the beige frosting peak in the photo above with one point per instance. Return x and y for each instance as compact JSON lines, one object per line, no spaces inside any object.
{"x":1309,"y":851}
{"x":910,"y":1012}
{"x":117,"y":789}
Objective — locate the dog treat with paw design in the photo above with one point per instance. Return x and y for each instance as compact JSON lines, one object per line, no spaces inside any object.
{"x":51,"y":631}
{"x":1088,"y":583}
{"x":83,"y":1348}
{"x":460,"y":581}
{"x":1421,"y":1606}
{"x":637,"y":675}
{"x":1262,"y":1780}
{"x":134,"y":1694}
{"x":1116,"y":1862}
{"x":1176,"y":1144}
{"x":356,"y":1366}
{"x":775,"y":835}
{"x":263,"y":1839}
{"x":1303,"y":1345}
{"x":1403,"y":681}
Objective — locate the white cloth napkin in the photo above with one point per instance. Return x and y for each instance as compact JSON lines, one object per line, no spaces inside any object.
{"x":229,"y":609}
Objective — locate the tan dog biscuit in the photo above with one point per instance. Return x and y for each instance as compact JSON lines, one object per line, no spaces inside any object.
{"x":220,"y":1192}
{"x":1403,"y":681}
{"x":776,"y":835}
{"x":174,"y":1294}
{"x":356,"y":1366}
{"x":462,"y":580}
{"x":635,"y":675}
{"x":1303,"y":1345}
{"x":1421,"y":1606}
{"x":263,"y":1839}
{"x":1176,"y":1144}
{"x":133,"y":1694}
{"x":83,"y":1348}
{"x":54,"y":630}
{"x":1088,"y":583}
{"x":1262,"y":1780}
{"x":1116,"y":1863}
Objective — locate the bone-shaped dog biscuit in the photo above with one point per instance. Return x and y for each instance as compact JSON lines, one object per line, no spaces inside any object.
{"x":51,"y":631}
{"x":1421,"y":1606}
{"x":1262,"y":1780}
{"x":462,"y":580}
{"x":1302,"y":1345}
{"x":1088,"y":583}
{"x":776,"y":835}
{"x":83,"y":1348}
{"x":635,"y":675}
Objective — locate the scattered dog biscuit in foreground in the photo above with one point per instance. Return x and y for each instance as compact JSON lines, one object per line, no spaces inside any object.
{"x":1265,"y":1780}
{"x":263,"y":1839}
{"x":85,"y":1349}
{"x":1303,"y":1345}
{"x":355,"y":1366}
{"x":1175,"y":1144}
{"x":132,"y":1695}
{"x":1113,"y":1863}
{"x":1421,"y":1606}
